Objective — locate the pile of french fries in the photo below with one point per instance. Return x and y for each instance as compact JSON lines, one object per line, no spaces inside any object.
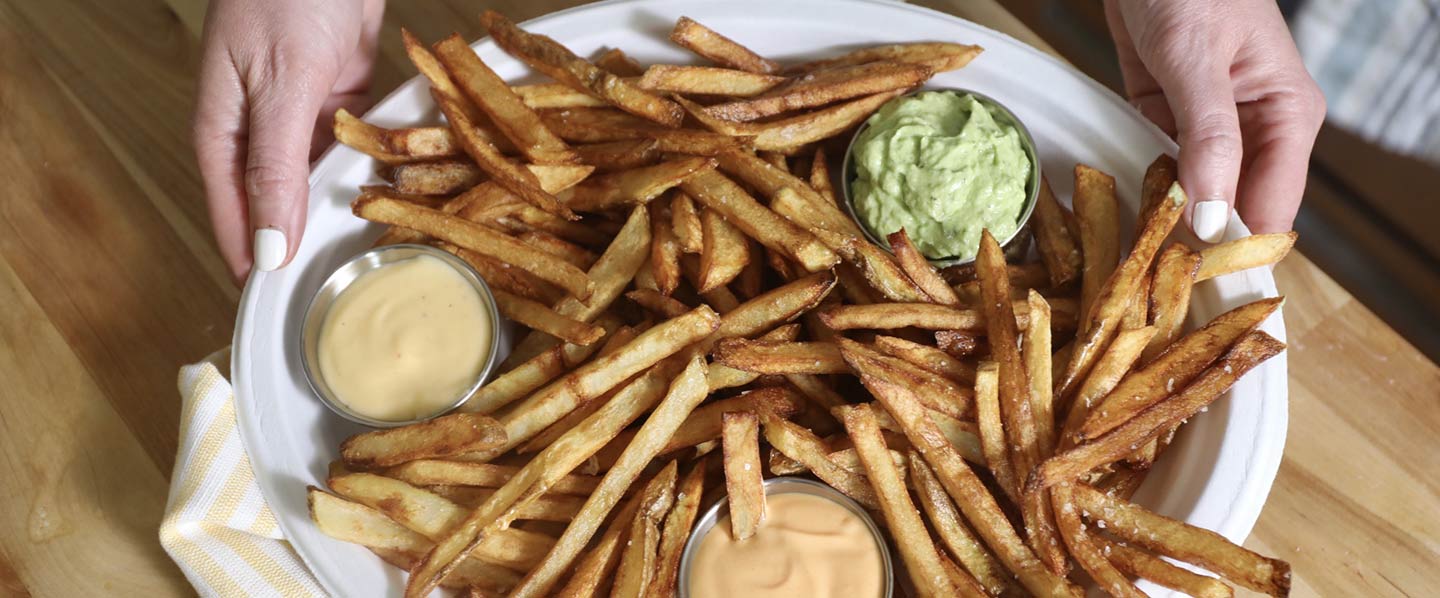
{"x":1019,"y":405}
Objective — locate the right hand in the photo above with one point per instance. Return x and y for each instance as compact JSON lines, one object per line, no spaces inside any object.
{"x":272,"y":73}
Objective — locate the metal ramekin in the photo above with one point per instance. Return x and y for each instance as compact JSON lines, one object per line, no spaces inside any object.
{"x":341,"y":279}
{"x":786,"y":485}
{"x":1014,"y":245}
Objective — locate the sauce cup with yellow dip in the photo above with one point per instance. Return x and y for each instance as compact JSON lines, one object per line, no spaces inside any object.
{"x":943,"y":164}
{"x":814,"y":542}
{"x":400,"y":334}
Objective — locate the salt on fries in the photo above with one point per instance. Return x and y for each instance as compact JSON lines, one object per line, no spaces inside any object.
{"x":732,"y":341}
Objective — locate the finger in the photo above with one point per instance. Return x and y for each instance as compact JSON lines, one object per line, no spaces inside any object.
{"x":1202,"y":98}
{"x":219,"y":132}
{"x":1274,"y":182}
{"x":282,"y":115}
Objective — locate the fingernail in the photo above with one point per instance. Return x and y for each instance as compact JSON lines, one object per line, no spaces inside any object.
{"x":270,"y":248}
{"x":1210,"y":220}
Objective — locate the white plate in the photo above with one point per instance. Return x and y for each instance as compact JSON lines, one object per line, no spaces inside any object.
{"x":1216,"y":475}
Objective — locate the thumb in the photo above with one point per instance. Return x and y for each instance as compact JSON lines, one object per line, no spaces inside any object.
{"x":1202,"y":98}
{"x":281,"y":123}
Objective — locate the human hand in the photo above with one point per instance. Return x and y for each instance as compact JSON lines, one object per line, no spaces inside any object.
{"x":1225,"y":79}
{"x":272,"y":73}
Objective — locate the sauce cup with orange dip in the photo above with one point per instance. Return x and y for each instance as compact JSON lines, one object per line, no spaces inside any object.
{"x":814,"y":542}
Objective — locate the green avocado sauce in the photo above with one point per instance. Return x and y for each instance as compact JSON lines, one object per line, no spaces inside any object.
{"x":940,"y":165}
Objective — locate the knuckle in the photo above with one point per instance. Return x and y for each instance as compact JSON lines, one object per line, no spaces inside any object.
{"x":267,"y":182}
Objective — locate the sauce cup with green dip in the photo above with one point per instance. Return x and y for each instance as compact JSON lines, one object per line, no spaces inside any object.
{"x":943,"y":164}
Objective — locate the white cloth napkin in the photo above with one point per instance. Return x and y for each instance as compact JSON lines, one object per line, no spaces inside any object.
{"x":217,"y":526}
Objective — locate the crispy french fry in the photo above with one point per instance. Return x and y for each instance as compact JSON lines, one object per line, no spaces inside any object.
{"x":1037,"y":359}
{"x":619,"y":63}
{"x":1115,"y":444}
{"x":992,"y":430}
{"x":1104,"y":316}
{"x":439,"y":437}
{"x":939,"y":56}
{"x":707,"y":80}
{"x":476,"y":238}
{"x":436,"y":472}
{"x":614,"y":342}
{"x":539,"y":317}
{"x":824,"y":86}
{"x":927,"y":357}
{"x":922,"y":558}
{"x":1137,"y":311}
{"x":770,"y":181}
{"x":928,"y":316}
{"x":1186,"y":543}
{"x":685,"y":220}
{"x":394,"y":146}
{"x":1083,"y":548}
{"x":548,"y":507}
{"x":664,"y":248}
{"x":724,"y":251}
{"x":778,"y":357}
{"x":487,"y":90}
{"x":1176,"y":367}
{"x":951,"y":529}
{"x":628,"y":187}
{"x":489,"y":201}
{"x":1136,"y":562}
{"x":1108,"y":371}
{"x":789,"y":134}
{"x":442,"y":177}
{"x":724,"y":196}
{"x":748,"y":282}
{"x":820,"y":176}
{"x":704,"y":424}
{"x":591,"y":572}
{"x":1158,"y":177}
{"x":597,"y":125}
{"x":548,"y":56}
{"x":614,"y":156}
{"x":637,"y":560}
{"x":722,"y":376}
{"x":720,"y":49}
{"x":442,"y":85}
{"x":1170,"y":296}
{"x":958,"y":343}
{"x":676,"y":531}
{"x":555,"y":95}
{"x":965,"y":487}
{"x":1097,"y":210}
{"x":662,"y":305}
{"x":535,"y":372}
{"x":1242,"y":254}
{"x":1052,"y":239}
{"x":937,"y":392}
{"x":744,"y":487}
{"x":504,"y":171}
{"x":803,"y":446}
{"x":687,"y":390}
{"x":570,"y":252}
{"x":920,"y":271}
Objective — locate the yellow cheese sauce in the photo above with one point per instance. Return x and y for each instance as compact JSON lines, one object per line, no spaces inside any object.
{"x":403,"y":341}
{"x":807,"y":546}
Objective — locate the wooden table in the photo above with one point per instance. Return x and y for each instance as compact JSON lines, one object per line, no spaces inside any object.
{"x":109,"y":283}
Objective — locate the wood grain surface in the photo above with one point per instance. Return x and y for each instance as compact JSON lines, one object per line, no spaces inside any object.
{"x":109,"y":282}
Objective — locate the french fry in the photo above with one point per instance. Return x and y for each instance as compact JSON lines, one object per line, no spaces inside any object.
{"x":439,"y":437}
{"x":1186,"y":543}
{"x":547,"y":507}
{"x":476,"y":238}
{"x":1108,"y":371}
{"x":748,"y":282}
{"x":1037,"y":357}
{"x":937,"y":392}
{"x":442,"y":85}
{"x":612,"y":273}
{"x":590,"y":573}
{"x":686,"y":391}
{"x":664,"y":248}
{"x":619,"y":63}
{"x":598,"y":125}
{"x":1136,"y":562}
{"x":723,"y":252}
{"x":722,"y":376}
{"x":1052,"y":239}
{"x":929,"y":316}
{"x":539,"y":317}
{"x":438,"y":472}
{"x":600,"y":375}
{"x":1174,"y":368}
{"x":442,"y":177}
{"x":1084,"y":549}
{"x":1115,"y":444}
{"x":951,"y":529}
{"x":920,"y":271}
{"x":1242,"y":254}
{"x":719,"y":298}
{"x":433,"y":516}
{"x":555,"y":95}
{"x":1170,"y":296}
{"x":1113,"y":298}
{"x":789,"y":134}
{"x":958,"y":343}
{"x":685,"y":221}
{"x":707,"y":80}
{"x":927,"y":357}
{"x":704,"y":423}
{"x":992,"y":430}
{"x":744,"y":484}
{"x":506,"y":110}
{"x":722,"y":195}
{"x":1161,"y":173}
{"x":779,"y":357}
{"x":501,"y":169}
{"x":1097,"y":211}
{"x":614,"y":156}
{"x":394,"y":146}
{"x":824,"y":86}
{"x":664,"y":306}
{"x":521,"y":380}
{"x":922,"y":558}
{"x":1137,"y":311}
{"x":548,"y":56}
{"x":551,"y":465}
{"x":614,"y":342}
{"x":802,"y":445}
{"x":676,"y":531}
{"x":570,"y":252}
{"x":720,"y":49}
{"x":627,"y":187}
{"x":939,"y":56}
{"x":637,"y":560}
{"x":771,"y":181}
{"x":820,"y":176}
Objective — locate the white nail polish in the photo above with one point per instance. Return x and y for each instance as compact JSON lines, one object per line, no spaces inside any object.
{"x":269,"y":249}
{"x":1210,"y":220}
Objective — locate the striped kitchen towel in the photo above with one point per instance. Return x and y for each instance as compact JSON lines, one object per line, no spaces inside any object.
{"x":217,"y":526}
